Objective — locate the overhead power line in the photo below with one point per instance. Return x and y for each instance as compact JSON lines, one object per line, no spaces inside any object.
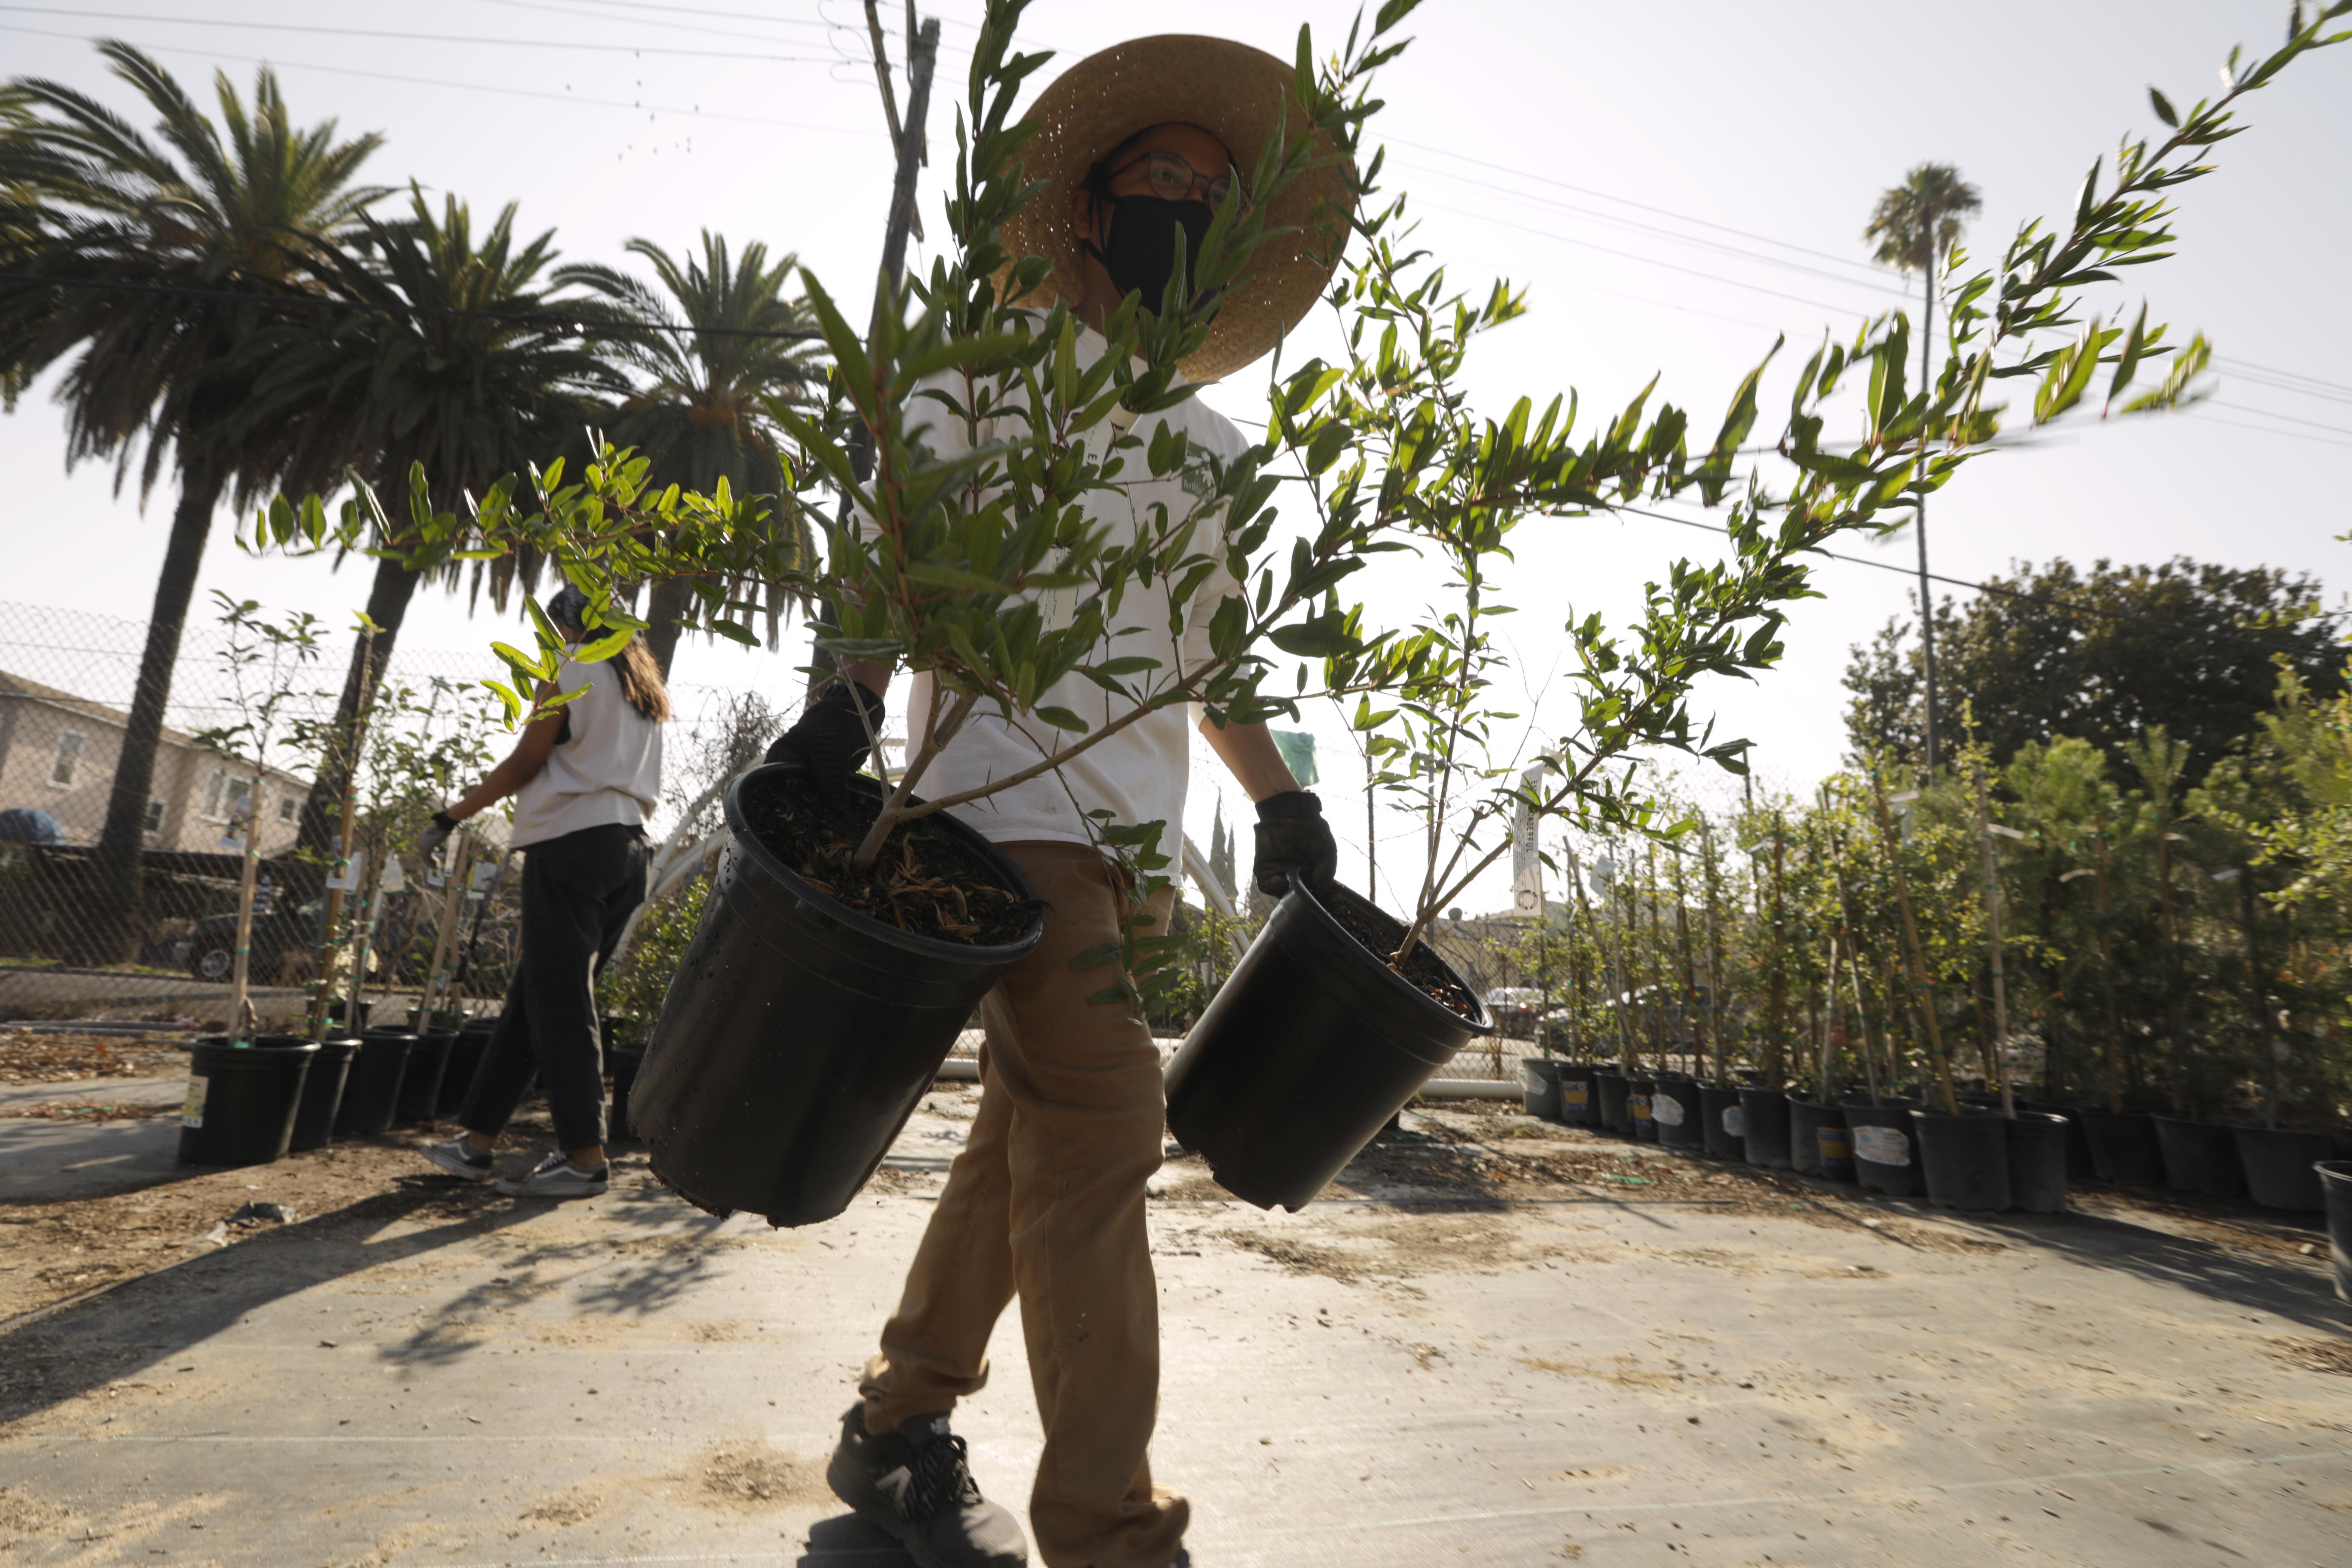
{"x":427,"y":37}
{"x":696,"y":111}
{"x":1996,"y":589}
{"x":548,"y":317}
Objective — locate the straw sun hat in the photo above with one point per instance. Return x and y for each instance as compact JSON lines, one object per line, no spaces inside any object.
{"x":1236,"y":93}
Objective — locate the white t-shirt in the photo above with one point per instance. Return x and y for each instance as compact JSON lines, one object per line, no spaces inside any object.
{"x":1139,"y":775}
{"x":608,"y":771}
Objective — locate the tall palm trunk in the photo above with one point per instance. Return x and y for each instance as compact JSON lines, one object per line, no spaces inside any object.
{"x":387,"y":605}
{"x":114,"y":931}
{"x":663,"y":605}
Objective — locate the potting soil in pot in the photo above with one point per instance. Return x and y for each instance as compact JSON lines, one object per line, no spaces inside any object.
{"x":1312,"y":1044}
{"x":812,"y":1007}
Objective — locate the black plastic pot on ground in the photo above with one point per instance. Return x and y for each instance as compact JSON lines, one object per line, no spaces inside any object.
{"x":1639,"y":1119}
{"x":1885,"y":1147}
{"x":420,"y":1086}
{"x":1540,"y":1076}
{"x":372,"y":1088}
{"x":323,"y":1093}
{"x":2335,"y":1192}
{"x":2279,"y":1166}
{"x":2199,"y":1157}
{"x":2123,"y":1147}
{"x":1718,"y":1114}
{"x":624,"y":1061}
{"x":2037,"y":1161}
{"x":1612,"y":1088}
{"x":1674,"y":1106}
{"x":798,"y":1035}
{"x":241,"y":1102}
{"x":1579,"y":1105}
{"x":1963,"y":1158}
{"x":1807,"y":1119}
{"x":465,"y":1061}
{"x":1311,"y":1046}
{"x":2078,"y":1142}
{"x":1764,"y":1126}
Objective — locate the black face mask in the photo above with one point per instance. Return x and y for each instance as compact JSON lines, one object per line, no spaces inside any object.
{"x":1140,"y":256}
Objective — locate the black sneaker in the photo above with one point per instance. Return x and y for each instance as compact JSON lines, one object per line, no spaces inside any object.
{"x":456,"y":1158}
{"x":557,"y":1177}
{"x":915,"y":1484}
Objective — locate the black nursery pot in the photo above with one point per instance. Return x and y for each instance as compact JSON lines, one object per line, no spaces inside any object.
{"x":1963,"y":1158}
{"x":323,"y":1091}
{"x":1806,"y":1120}
{"x":372,"y":1088}
{"x":241,"y":1102}
{"x":2335,"y":1190}
{"x":1676,"y":1108}
{"x":1580,"y":1102}
{"x":2199,"y":1157}
{"x":1609,"y":1087}
{"x":2037,"y":1161}
{"x":624,"y":1061}
{"x":1764,"y":1126}
{"x":1539,"y":1077}
{"x":1639,"y":1119}
{"x":1307,"y":1051}
{"x":1718,"y":1113}
{"x":465,"y":1061}
{"x":1886,"y":1149}
{"x":2123,"y":1147}
{"x":420,"y":1086}
{"x":2279,"y":1166}
{"x":2078,"y":1142}
{"x":798,"y":1035}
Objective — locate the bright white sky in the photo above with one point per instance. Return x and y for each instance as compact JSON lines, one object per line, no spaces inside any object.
{"x":1674,"y":183}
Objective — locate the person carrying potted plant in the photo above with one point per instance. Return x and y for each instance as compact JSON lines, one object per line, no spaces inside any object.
{"x":1136,"y":148}
{"x":584,"y":778}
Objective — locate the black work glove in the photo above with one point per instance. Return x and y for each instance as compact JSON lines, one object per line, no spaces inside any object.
{"x":829,"y":742}
{"x":1292,"y":836}
{"x":435,"y":835}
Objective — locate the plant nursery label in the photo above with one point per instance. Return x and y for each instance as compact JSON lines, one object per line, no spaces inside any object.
{"x":1833,"y":1143}
{"x":1881,"y":1145}
{"x":192,"y":1109}
{"x":1572,"y":1094}
{"x":1733,"y":1126}
{"x":1667,"y":1110}
{"x":1637,"y":1106}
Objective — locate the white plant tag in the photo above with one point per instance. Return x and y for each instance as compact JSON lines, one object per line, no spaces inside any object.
{"x":1734,"y":1124}
{"x":1666,"y":1109}
{"x":1882,"y":1146}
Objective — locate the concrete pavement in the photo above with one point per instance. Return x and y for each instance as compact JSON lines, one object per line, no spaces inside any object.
{"x":1733,"y":1375}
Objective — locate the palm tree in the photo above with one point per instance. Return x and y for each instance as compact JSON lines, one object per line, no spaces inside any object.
{"x":717,"y":338}
{"x":467,"y":364}
{"x":1916,"y":225}
{"x":156,"y":261}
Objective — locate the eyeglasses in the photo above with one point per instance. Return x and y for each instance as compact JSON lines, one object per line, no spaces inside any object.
{"x":1172,"y":178}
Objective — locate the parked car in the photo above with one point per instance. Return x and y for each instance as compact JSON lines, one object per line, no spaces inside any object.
{"x":1515,"y":1010}
{"x":284,"y":945}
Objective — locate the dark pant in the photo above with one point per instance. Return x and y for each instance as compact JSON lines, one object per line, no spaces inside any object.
{"x":577,"y":892}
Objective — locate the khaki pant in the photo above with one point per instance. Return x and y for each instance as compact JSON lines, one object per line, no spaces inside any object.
{"x":1046,"y":1201}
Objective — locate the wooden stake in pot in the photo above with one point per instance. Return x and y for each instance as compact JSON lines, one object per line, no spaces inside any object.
{"x":329,"y":943}
{"x":1923,"y":988}
{"x":1985,"y":831}
{"x":241,"y":1018}
{"x":444,"y":941}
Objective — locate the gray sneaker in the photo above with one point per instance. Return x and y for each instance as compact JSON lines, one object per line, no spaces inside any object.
{"x":455,"y":1158}
{"x":557,"y":1177}
{"x":915,"y":1484}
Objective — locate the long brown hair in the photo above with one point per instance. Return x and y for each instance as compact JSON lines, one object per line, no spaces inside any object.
{"x":641,"y":679}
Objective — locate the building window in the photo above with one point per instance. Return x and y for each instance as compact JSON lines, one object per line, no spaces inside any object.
{"x":67,"y":765}
{"x":153,"y":821}
{"x":224,"y":796}
{"x":288,"y":805}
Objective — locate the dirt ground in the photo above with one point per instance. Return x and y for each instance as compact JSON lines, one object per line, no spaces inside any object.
{"x":27,"y":1056}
